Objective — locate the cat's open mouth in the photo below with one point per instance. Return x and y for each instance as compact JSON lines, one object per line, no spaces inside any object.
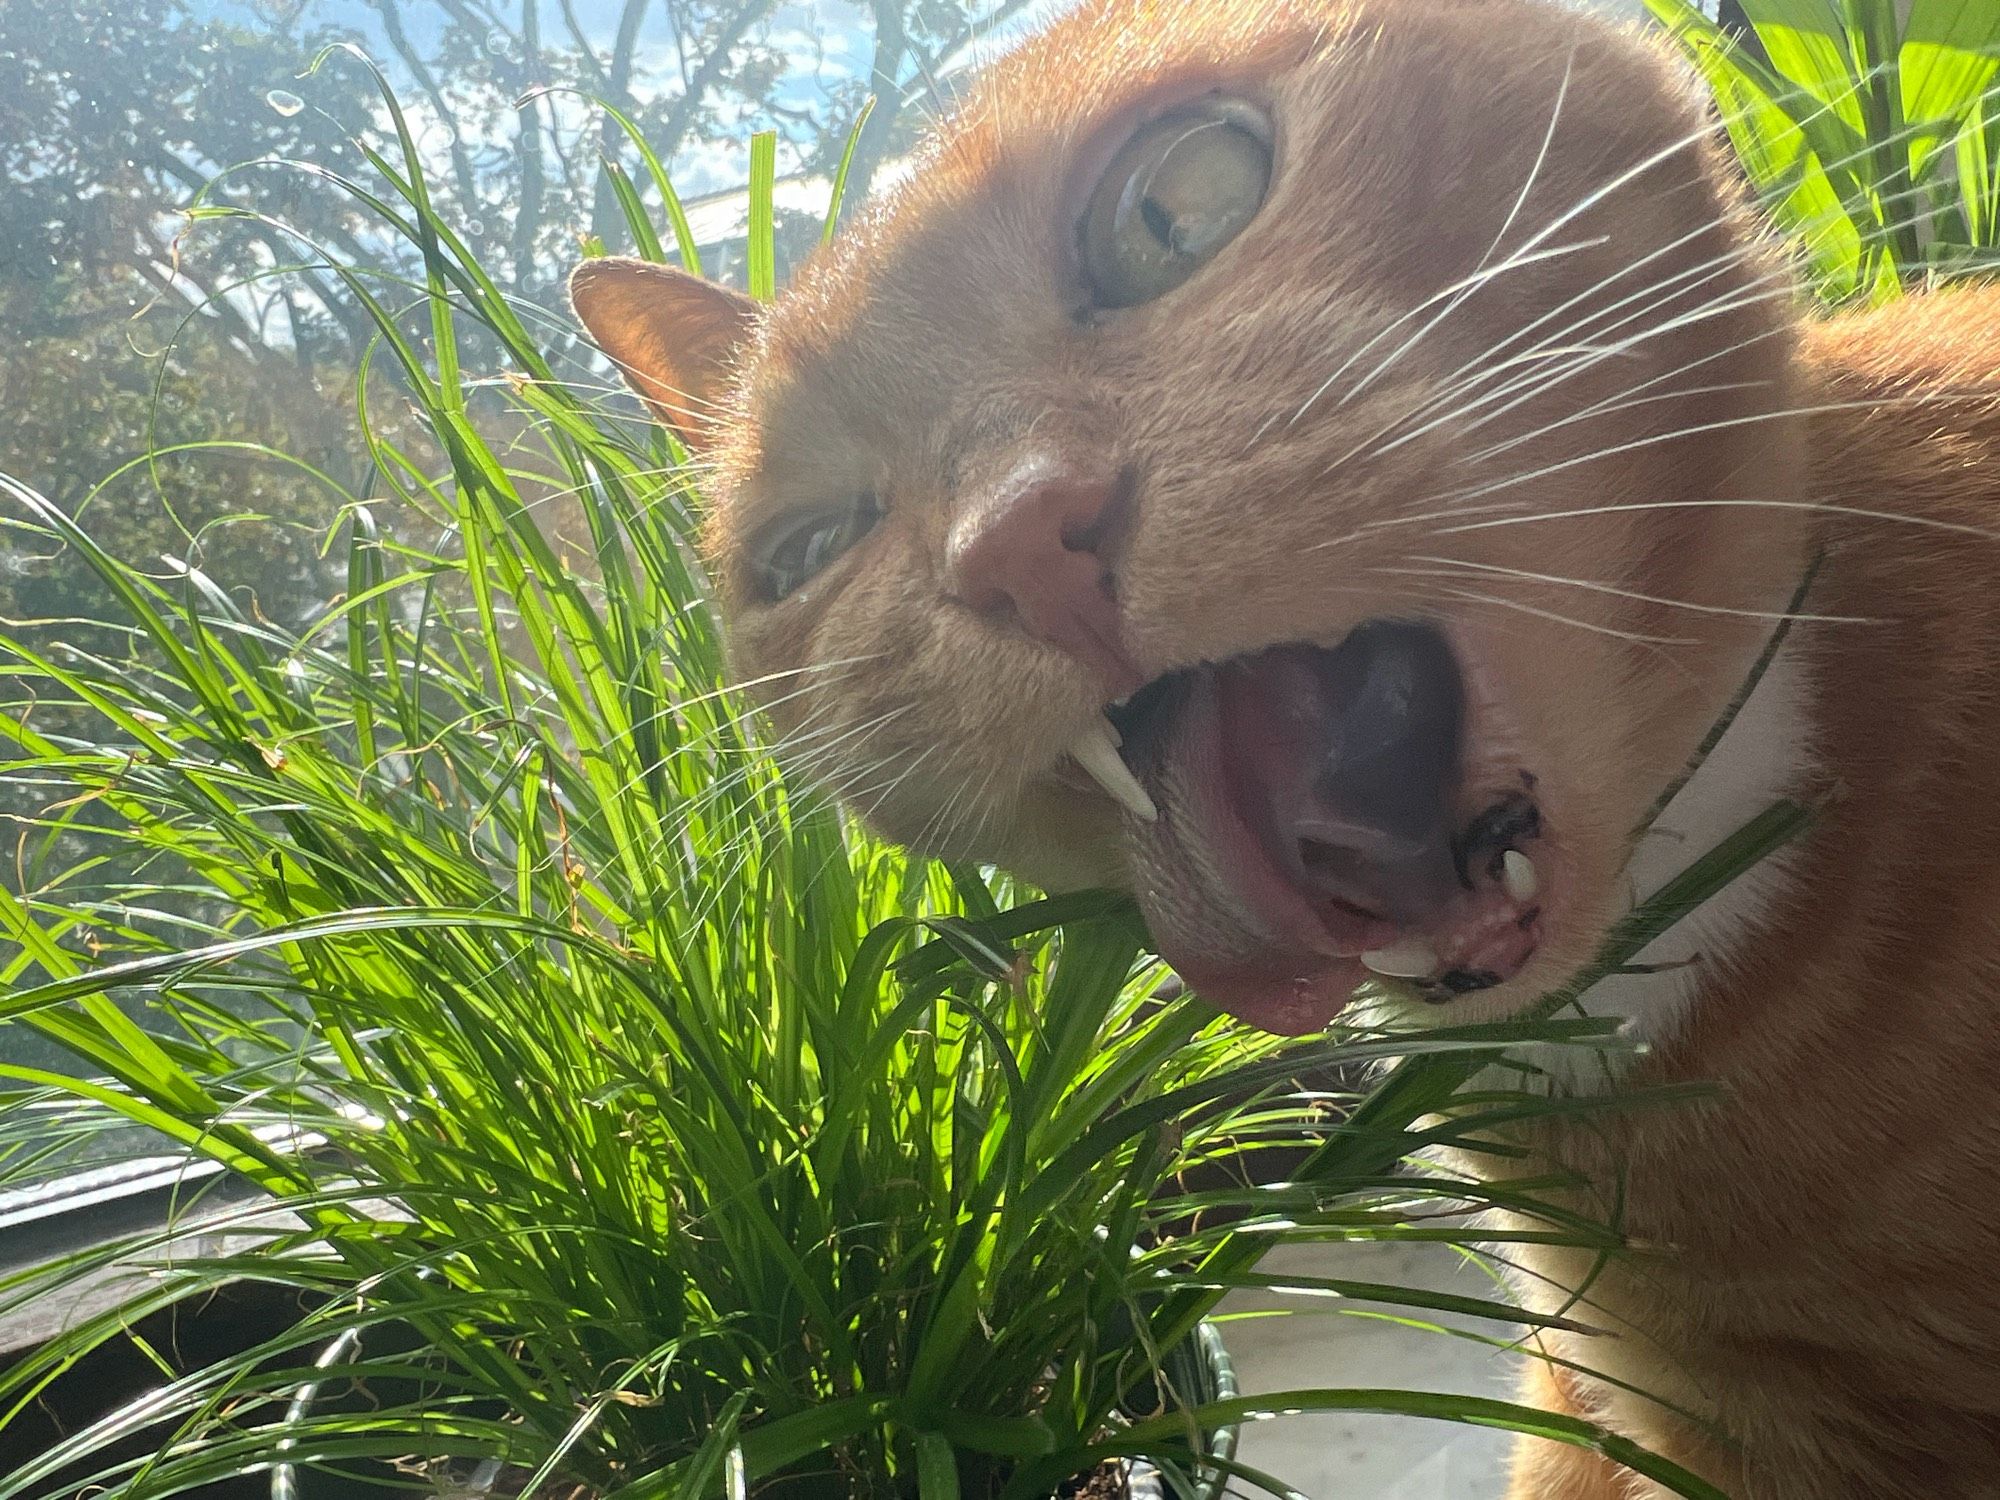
{"x":1320,"y":816}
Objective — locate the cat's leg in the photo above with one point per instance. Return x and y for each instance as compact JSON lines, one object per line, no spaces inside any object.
{"x":1555,"y":1471}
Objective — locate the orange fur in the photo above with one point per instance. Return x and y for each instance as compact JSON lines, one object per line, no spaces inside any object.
{"x":1814,"y":1286}
{"x":1556,"y":1471}
{"x":1825,"y":1289}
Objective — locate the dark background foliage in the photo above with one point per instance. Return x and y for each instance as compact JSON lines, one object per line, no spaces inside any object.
{"x":129,"y":328}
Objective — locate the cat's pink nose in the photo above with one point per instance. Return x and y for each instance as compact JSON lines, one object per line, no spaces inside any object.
{"x":1037,"y":548}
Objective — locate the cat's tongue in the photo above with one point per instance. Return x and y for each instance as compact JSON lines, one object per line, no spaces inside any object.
{"x":1305,"y":801}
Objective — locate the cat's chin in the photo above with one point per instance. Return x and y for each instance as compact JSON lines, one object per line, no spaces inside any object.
{"x":1297,"y":1005}
{"x":1328,"y":813}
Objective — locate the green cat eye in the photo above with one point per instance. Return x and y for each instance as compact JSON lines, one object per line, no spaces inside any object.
{"x":1184,"y":186}
{"x":797,"y":549}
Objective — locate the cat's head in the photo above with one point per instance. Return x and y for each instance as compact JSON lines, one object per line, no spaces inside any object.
{"x":1331,"y":400}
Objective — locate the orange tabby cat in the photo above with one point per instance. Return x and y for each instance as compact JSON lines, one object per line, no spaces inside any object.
{"x":1385,"y":418}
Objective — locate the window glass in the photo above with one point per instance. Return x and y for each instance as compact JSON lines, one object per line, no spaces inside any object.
{"x":185,"y":384}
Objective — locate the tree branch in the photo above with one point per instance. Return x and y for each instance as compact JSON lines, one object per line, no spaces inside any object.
{"x":528,"y":149}
{"x":353,"y":322}
{"x":680,"y":120}
{"x":617,"y":84}
{"x":925,"y":91}
{"x":891,"y":44}
{"x":242,"y":336}
{"x":461,"y":164}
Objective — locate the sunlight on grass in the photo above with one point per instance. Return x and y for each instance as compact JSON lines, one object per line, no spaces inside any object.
{"x":662,"y":1132}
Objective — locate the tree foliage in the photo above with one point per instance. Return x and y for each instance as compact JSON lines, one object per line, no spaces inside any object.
{"x":207,"y":366}
{"x":132,"y":326}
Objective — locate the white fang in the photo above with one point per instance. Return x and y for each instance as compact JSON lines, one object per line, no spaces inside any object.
{"x":1406,"y":958}
{"x":1518,"y":877}
{"x":1096,"y":750}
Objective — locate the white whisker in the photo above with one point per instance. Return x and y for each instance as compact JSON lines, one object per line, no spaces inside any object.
{"x":1721,"y":424}
{"x":1826,"y":507}
{"x":1473,"y":597}
{"x":1449,"y":566}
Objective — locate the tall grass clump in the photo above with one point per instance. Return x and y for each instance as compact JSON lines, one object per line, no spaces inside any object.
{"x":641,"y":1124}
{"x":1872,"y":137}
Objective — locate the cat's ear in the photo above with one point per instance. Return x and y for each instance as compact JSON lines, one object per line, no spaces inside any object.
{"x":672,"y":335}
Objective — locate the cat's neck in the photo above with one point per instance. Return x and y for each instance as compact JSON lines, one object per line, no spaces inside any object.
{"x":1764,"y":756}
{"x":1888,"y":726}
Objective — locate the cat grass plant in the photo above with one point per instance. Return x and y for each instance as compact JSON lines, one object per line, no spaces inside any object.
{"x":659,"y":1133}
{"x":1871,"y":130}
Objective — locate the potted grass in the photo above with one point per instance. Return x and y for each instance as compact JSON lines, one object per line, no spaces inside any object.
{"x":620,"y":1120}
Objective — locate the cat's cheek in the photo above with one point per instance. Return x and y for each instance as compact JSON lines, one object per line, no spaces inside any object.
{"x":1060,"y":864}
{"x":1054,"y":839}
{"x":1061,"y":841}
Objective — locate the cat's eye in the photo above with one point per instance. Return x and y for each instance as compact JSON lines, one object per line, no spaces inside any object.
{"x":796,"y":550}
{"x":1184,"y":186}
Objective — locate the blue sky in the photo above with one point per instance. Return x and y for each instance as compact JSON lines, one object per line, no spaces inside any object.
{"x":833,"y":39}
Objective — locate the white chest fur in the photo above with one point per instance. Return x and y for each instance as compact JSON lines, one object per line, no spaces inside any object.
{"x":1759,"y":760}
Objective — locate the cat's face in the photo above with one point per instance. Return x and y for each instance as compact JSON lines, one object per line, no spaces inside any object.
{"x":1338,"y":396}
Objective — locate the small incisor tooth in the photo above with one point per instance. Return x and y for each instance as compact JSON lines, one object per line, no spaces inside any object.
{"x":1096,"y":750}
{"x":1406,"y":958}
{"x":1518,"y":877}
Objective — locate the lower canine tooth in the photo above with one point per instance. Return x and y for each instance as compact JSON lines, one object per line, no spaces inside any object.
{"x":1412,"y":958}
{"x":1518,"y":877}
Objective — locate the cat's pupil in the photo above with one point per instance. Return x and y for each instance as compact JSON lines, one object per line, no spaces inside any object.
{"x":1159,"y":221}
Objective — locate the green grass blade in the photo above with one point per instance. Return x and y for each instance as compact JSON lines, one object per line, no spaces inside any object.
{"x":762,"y":252}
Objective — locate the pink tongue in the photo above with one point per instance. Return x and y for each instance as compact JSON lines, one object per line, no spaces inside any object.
{"x":1345,"y":764}
{"x":1304,"y":802}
